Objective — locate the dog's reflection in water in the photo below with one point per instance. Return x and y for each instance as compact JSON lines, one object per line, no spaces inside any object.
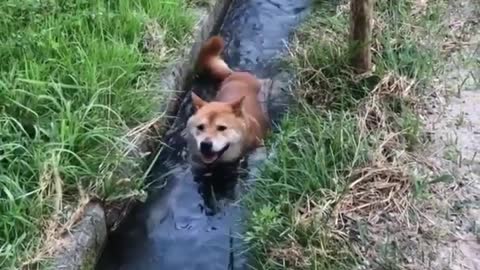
{"x":218,"y":185}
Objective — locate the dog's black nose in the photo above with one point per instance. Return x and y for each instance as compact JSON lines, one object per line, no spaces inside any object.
{"x":206,"y":147}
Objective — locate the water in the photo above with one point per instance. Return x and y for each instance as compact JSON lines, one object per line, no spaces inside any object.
{"x":192,"y":219}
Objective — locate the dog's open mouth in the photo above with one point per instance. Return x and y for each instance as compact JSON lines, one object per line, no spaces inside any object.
{"x":211,"y":157}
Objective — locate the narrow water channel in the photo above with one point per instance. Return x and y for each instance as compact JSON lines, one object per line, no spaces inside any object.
{"x":192,"y":219}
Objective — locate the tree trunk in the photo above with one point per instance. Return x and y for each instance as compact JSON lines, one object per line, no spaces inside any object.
{"x":361,"y":34}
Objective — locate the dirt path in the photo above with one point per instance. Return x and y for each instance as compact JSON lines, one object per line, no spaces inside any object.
{"x":441,"y":228}
{"x":454,"y":208}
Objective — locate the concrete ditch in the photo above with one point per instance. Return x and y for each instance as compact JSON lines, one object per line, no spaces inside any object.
{"x":82,"y":245}
{"x":193,"y":217}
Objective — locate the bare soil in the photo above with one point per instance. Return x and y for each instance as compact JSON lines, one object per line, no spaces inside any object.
{"x":454,"y":211}
{"x":440,"y":226}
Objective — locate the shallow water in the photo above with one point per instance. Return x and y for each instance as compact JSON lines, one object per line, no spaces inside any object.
{"x":192,"y":220}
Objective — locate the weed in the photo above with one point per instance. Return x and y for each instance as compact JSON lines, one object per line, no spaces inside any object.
{"x":313,"y":152}
{"x":339,"y":158}
{"x":73,"y":80}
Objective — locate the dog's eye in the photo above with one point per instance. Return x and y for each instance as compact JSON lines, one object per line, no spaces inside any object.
{"x":221,"y":128}
{"x":201,"y":127}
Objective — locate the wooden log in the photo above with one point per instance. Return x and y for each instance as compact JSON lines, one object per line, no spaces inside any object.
{"x":361,"y":12}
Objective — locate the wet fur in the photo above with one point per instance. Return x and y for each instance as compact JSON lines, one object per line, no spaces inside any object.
{"x":236,"y":107}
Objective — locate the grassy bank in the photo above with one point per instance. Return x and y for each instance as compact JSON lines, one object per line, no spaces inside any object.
{"x":74,"y":78}
{"x":340,"y":156}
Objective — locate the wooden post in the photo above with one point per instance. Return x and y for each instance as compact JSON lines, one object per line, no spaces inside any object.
{"x":361,"y":34}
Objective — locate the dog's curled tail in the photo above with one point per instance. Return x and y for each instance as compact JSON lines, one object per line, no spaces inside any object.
{"x":209,"y":59}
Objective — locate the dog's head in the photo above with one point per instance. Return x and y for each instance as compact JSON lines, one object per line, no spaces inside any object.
{"x":216,"y":130}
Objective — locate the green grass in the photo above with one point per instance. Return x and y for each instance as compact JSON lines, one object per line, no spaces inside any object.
{"x":313,"y":151}
{"x":321,"y":142}
{"x":74,"y":77}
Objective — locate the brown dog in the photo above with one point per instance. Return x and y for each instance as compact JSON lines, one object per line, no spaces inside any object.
{"x":226,"y":128}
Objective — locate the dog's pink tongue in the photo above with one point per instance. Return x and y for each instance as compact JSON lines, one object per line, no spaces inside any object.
{"x":209,"y":159}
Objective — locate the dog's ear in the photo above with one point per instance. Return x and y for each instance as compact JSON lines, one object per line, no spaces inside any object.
{"x":237,"y":105}
{"x":197,"y":101}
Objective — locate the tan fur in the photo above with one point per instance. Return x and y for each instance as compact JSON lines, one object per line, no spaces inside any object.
{"x":235,"y":108}
{"x":209,"y":59}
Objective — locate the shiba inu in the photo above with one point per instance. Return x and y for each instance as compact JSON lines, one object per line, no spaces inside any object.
{"x":225,"y":129}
